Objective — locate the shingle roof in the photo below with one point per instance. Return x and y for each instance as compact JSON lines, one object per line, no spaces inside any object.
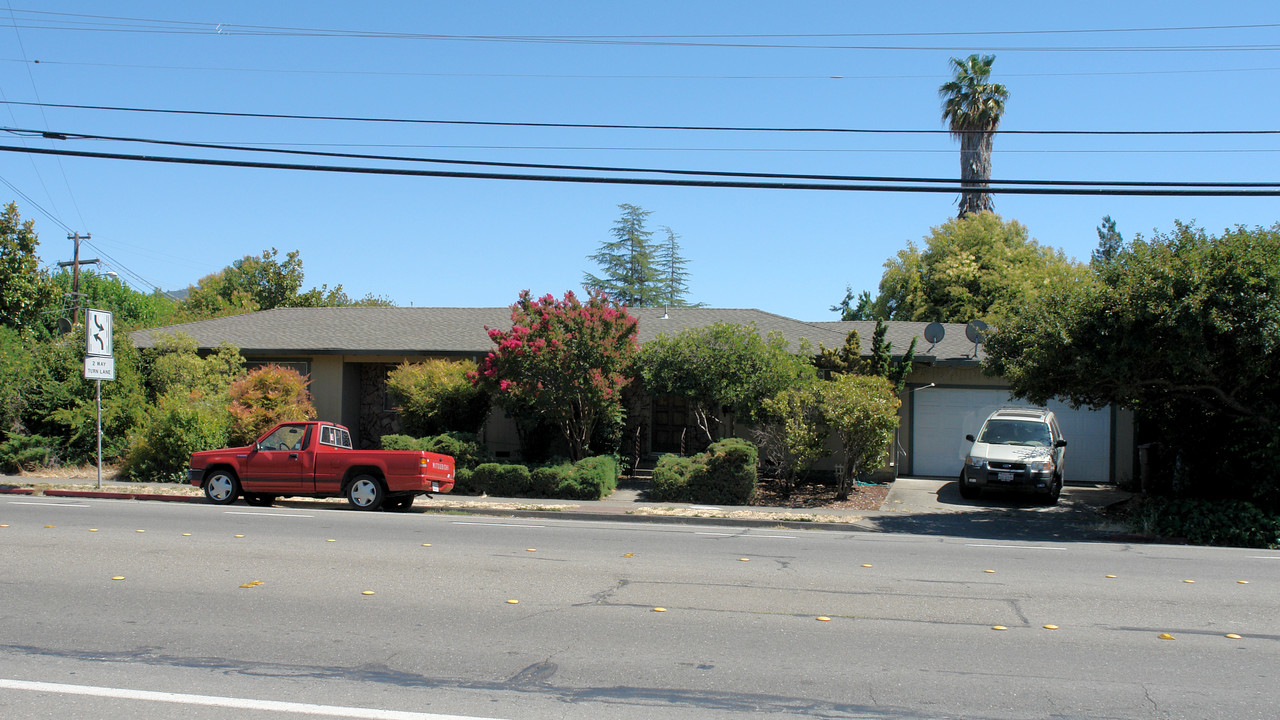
{"x":440,"y":330}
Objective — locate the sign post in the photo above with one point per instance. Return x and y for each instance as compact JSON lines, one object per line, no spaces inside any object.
{"x":99,"y":362}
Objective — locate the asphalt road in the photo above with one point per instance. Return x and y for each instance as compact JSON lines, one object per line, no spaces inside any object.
{"x":909,"y":633}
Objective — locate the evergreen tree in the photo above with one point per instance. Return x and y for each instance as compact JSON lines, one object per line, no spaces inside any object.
{"x":1109,"y":241}
{"x":673,"y":278}
{"x":627,"y":262}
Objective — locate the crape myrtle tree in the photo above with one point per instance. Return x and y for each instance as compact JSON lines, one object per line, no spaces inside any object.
{"x":564,"y":362}
{"x":1181,"y":327}
{"x":971,"y":107}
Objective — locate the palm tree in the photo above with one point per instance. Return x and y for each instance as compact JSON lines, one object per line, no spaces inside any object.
{"x":972,"y":106}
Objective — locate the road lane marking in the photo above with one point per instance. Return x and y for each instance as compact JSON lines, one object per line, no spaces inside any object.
{"x":266,"y":514}
{"x":229,"y":702}
{"x":459,"y":522}
{"x":1015,"y":547}
{"x":1264,"y":557}
{"x":718,"y":534}
{"x":46,"y":504}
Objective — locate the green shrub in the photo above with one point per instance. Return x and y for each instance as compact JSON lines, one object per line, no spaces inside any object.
{"x":501,"y":480}
{"x":435,"y":396}
{"x":593,"y":478}
{"x":671,"y":479}
{"x":546,"y":481}
{"x":462,"y":482}
{"x":399,"y":442}
{"x":179,"y":426}
{"x":1209,"y":522}
{"x":463,"y":447}
{"x":725,"y":474}
{"x":26,"y":452}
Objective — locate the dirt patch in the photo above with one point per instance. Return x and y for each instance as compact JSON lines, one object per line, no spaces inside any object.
{"x":816,"y":496}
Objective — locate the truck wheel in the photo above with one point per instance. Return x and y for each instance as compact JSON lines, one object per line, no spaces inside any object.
{"x":365,"y":493}
{"x":222,"y":487}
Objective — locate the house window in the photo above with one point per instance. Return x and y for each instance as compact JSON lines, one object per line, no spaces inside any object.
{"x":302,"y":367}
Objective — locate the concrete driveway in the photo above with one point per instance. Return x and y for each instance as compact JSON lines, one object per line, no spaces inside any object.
{"x":932,"y":506}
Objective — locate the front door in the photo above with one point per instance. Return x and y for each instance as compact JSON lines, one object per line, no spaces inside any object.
{"x":670,"y":423}
{"x":281,"y":463}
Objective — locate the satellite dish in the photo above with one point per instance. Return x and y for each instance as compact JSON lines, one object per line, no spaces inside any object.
{"x":64,"y":326}
{"x":974,"y":331}
{"x":934,"y":332}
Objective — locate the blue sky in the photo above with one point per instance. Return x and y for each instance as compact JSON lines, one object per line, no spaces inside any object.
{"x":478,"y":242}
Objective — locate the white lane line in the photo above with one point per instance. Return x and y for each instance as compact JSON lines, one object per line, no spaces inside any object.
{"x":717,"y":534}
{"x":1264,"y":557}
{"x":266,"y":514}
{"x":1015,"y":547}
{"x":459,"y":522}
{"x":229,"y":702}
{"x":46,"y":504}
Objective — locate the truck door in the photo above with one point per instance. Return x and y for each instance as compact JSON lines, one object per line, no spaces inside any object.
{"x":282,"y":462}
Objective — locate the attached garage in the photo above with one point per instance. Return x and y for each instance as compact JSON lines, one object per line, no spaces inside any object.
{"x":942,"y":416}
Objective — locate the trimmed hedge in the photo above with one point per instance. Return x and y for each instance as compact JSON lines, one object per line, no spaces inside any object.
{"x":464,"y":448}
{"x":724,"y":475}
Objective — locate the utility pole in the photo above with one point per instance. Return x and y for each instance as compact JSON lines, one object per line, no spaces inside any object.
{"x":75,"y":264}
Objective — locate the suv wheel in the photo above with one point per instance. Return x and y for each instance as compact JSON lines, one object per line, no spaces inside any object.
{"x":967,"y":491}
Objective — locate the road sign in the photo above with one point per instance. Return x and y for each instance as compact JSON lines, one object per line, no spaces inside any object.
{"x":99,"y":368}
{"x":97,"y":333}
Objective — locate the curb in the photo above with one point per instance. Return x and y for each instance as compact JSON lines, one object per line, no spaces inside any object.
{"x":17,"y":491}
{"x":119,"y":496}
{"x":655,"y":519}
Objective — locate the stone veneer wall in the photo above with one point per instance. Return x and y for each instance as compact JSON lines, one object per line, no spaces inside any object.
{"x":375,"y":419}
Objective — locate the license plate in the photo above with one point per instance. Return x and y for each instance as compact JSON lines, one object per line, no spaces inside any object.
{"x":1004,"y":477}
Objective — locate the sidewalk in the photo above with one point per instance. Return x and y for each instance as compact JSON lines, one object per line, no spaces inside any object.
{"x":913,"y":505}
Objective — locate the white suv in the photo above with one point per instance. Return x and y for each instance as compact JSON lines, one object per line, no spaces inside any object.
{"x":1017,"y":449}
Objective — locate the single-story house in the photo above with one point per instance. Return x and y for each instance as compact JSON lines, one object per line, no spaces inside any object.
{"x":348,"y":351}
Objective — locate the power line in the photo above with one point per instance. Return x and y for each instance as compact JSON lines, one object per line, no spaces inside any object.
{"x":601,"y":76}
{"x":609,"y":126}
{"x":669,"y":182}
{"x":950,"y":33}
{"x":85,"y":22}
{"x":615,"y":169}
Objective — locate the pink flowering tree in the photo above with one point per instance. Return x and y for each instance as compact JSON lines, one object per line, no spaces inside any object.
{"x":563,"y":361}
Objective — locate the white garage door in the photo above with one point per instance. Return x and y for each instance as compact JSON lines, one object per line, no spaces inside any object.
{"x":943,"y":416}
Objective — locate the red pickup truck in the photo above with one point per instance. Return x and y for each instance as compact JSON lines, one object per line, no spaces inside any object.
{"x":315,"y":459}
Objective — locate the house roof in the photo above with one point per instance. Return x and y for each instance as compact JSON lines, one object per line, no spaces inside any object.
{"x":461,"y":331}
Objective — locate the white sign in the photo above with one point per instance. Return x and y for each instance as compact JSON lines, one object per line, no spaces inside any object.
{"x":99,"y":368}
{"x":97,"y":333}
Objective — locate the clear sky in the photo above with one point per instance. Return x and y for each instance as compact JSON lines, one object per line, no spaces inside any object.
{"x":432,"y":241}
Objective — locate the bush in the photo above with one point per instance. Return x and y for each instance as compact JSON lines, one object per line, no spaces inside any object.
{"x":265,"y":397}
{"x":26,"y":452}
{"x":1209,"y":522}
{"x":399,"y":442}
{"x":179,"y":426}
{"x":726,"y":474}
{"x":464,"y":448}
{"x":593,"y":478}
{"x":547,"y":480}
{"x":463,"y":483}
{"x":671,"y":479}
{"x":435,"y":396}
{"x":501,"y":480}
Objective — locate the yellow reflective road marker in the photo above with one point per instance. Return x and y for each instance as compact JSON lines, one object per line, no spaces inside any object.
{"x":823,"y":618}
{"x":1233,"y":636}
{"x":367,"y":592}
{"x":659,"y":609}
{"x":999,"y":627}
{"x":513,"y":602}
{"x":1166,"y":636}
{"x":1050,"y":627}
{"x":118,"y":577}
